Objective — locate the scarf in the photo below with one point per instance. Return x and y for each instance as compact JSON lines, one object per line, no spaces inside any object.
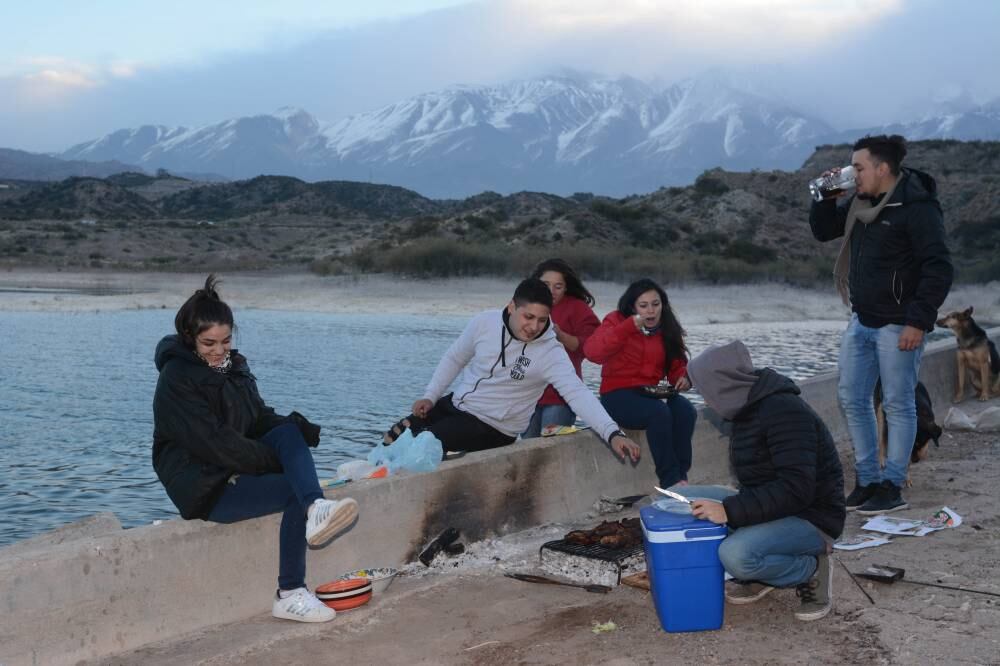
{"x":863,"y":211}
{"x":223,"y":367}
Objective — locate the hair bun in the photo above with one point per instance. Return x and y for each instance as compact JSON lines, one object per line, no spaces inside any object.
{"x":210,"y":290}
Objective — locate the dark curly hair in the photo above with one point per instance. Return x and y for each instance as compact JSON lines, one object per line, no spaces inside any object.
{"x":882,"y":148}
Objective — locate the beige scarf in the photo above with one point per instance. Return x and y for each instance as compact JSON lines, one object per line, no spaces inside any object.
{"x":863,"y":211}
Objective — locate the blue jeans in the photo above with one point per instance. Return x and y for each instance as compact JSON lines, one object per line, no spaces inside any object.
{"x":291,"y":492}
{"x":546,"y":415}
{"x":865,"y":355}
{"x":669,"y":425}
{"x":780,"y":553}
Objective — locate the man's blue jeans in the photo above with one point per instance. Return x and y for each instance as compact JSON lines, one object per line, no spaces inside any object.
{"x":865,"y":355}
{"x":546,"y":415}
{"x":780,"y":553}
{"x":291,"y":492}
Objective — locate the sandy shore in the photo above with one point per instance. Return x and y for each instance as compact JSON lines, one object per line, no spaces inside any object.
{"x":89,"y":291}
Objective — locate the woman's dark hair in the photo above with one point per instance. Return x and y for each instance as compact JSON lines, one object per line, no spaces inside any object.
{"x":574,"y":286}
{"x":202,"y":311}
{"x":670,"y":328}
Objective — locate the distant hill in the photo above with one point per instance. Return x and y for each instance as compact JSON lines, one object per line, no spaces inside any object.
{"x":21,"y":165}
{"x":726,"y":227}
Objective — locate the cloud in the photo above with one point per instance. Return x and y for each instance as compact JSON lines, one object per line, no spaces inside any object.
{"x":819,"y":57}
{"x":736,"y":25}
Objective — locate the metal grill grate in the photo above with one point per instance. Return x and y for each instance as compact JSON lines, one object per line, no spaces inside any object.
{"x":596,"y":551}
{"x":616,"y":556}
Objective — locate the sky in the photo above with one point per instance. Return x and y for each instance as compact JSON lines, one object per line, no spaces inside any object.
{"x":72,"y":71}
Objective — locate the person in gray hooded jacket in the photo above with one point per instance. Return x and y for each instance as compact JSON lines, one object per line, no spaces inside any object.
{"x":790,"y":501}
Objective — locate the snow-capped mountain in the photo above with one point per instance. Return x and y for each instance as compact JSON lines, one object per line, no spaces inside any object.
{"x":559,"y":134}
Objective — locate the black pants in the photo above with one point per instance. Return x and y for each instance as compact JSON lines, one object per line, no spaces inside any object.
{"x":458,"y":430}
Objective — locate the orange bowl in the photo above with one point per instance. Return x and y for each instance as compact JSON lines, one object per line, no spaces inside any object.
{"x":341,"y":595}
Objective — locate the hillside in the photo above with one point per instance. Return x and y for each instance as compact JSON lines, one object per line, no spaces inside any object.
{"x":726,"y":227}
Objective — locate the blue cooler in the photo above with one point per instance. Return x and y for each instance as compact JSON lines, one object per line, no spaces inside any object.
{"x":685,"y":574}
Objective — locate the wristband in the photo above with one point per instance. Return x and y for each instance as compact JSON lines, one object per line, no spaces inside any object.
{"x":616,"y":433}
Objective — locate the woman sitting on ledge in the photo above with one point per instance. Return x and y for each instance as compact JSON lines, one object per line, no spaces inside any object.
{"x":223,"y":455}
{"x":638,"y":345}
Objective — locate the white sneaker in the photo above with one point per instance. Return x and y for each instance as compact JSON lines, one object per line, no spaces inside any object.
{"x":302,"y":606}
{"x":329,"y":517}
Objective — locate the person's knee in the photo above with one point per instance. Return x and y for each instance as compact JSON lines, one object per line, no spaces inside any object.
{"x":284,"y":434}
{"x":737,"y":560}
{"x":683,"y":409}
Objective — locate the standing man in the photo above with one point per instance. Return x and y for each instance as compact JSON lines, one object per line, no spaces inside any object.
{"x":894,"y":271}
{"x":503,"y":361}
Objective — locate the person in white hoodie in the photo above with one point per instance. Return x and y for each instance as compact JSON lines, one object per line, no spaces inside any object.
{"x":503,"y":361}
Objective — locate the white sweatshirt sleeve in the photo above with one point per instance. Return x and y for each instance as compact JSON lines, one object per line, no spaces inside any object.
{"x":580,"y":399}
{"x":457,"y":357}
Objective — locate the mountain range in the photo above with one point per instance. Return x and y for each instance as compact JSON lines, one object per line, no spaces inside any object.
{"x":559,"y":134}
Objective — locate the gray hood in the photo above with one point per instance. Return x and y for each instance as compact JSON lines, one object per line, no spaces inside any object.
{"x":724,"y":375}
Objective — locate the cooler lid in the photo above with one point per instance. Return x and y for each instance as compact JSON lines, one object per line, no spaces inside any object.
{"x":658,"y":520}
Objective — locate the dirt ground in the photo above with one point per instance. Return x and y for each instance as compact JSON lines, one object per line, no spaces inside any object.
{"x":466,"y":612}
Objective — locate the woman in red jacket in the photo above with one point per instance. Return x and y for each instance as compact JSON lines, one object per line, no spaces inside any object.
{"x":638,"y":345}
{"x":574,"y":321}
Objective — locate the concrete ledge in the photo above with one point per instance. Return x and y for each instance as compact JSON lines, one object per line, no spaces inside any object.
{"x":102,"y":592}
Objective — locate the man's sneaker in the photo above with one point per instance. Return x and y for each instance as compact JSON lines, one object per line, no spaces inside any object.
{"x":860,"y":495}
{"x":815,"y":593}
{"x":745,"y":592}
{"x":886,"y":500}
{"x":329,"y":517}
{"x":301,"y":605}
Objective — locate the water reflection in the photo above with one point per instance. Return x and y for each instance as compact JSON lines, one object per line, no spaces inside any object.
{"x":76,"y":392}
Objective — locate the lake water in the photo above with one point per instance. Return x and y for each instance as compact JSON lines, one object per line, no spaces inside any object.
{"x":76,"y":392}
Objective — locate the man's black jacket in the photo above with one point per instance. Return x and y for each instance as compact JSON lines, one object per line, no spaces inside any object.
{"x":901,"y":270}
{"x":784,"y":459}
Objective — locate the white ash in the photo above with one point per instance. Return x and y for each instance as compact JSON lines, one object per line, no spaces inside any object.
{"x":513,"y":552}
{"x":581,"y":569}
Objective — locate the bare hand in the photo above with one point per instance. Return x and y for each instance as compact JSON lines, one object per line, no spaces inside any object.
{"x":421,"y":407}
{"x":709,"y":510}
{"x":910,"y":338}
{"x":683,"y":384}
{"x":623,"y":446}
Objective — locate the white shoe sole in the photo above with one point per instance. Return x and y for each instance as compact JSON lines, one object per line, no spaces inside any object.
{"x":281,"y":615}
{"x":739,"y":601}
{"x":815,"y":615}
{"x":902,"y":506}
{"x":345,"y":514}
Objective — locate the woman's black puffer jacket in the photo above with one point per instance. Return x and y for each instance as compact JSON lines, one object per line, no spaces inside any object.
{"x":206,"y":427}
{"x":784,"y":459}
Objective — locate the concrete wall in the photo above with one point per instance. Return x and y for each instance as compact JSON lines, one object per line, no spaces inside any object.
{"x":96,"y":589}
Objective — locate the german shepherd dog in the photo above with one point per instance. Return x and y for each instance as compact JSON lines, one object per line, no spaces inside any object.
{"x":977,"y":355}
{"x":927,"y":429}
